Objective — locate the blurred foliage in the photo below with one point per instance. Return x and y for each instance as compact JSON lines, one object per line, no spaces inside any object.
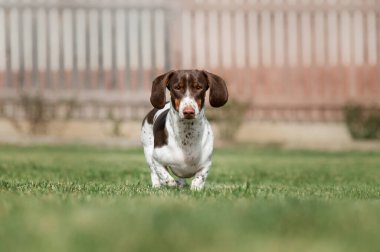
{"x":116,"y":122}
{"x":39,"y":112}
{"x":228,"y":118}
{"x":36,"y":112}
{"x":362,"y":123}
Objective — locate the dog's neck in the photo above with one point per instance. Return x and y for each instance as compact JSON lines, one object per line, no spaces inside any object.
{"x":187,"y":131}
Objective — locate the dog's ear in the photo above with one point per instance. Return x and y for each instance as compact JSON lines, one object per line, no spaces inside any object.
{"x":218,"y":89}
{"x":158,"y":95}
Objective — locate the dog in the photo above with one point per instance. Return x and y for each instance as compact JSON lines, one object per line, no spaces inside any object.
{"x":176,"y":134}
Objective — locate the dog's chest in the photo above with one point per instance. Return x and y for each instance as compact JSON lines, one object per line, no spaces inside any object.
{"x":188,"y":142}
{"x":187,"y":149}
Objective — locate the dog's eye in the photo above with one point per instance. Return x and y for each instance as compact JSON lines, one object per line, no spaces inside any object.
{"x":177,"y":87}
{"x":198,"y":86}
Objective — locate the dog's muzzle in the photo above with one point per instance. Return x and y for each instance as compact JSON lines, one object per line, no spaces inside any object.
{"x":189,"y":112}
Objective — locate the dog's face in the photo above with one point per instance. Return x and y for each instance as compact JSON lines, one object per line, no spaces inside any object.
{"x":188,"y":90}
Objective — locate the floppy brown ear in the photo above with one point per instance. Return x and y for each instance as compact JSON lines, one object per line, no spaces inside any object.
{"x":158,"y":96}
{"x":218,"y":90}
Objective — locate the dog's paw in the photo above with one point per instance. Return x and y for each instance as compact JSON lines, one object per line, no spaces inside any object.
{"x":156,"y":185}
{"x":196,"y":186}
{"x":170,"y":182}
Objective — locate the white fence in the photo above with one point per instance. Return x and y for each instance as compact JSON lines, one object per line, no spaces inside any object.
{"x":291,"y":58}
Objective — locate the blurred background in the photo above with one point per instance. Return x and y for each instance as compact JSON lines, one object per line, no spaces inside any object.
{"x":300,"y":72}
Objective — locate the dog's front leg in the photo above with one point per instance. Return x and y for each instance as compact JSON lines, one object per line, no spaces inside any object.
{"x":200,"y":178}
{"x":163,"y":174}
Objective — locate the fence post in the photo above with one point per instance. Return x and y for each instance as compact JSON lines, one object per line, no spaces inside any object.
{"x":21,"y":74}
{"x":35,"y":82}
{"x":61,"y":71}
{"x":114,"y":82}
{"x":75,"y":80}
{"x":140,"y":74}
{"x":90,"y":81}
{"x":167,"y":37}
{"x":127,"y":75}
{"x":173,"y":23}
{"x":9,"y":74}
{"x":377,"y":13}
{"x":48,"y":49}
{"x":100,"y":74}
{"x":153,"y":44}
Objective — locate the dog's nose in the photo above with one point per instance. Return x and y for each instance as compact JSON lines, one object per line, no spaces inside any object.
{"x":189,"y":112}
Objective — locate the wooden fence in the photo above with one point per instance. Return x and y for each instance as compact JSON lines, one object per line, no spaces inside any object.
{"x":291,"y":59}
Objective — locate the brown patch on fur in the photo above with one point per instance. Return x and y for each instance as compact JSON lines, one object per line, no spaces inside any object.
{"x":177,"y":103}
{"x":150,"y":116}
{"x":157,"y":96}
{"x":218,"y":90}
{"x":200,"y":103}
{"x":159,"y":130}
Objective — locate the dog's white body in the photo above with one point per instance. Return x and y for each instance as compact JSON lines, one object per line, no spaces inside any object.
{"x":176,"y":135}
{"x":187,"y":152}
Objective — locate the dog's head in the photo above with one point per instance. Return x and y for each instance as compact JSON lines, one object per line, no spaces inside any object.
{"x":188,"y":90}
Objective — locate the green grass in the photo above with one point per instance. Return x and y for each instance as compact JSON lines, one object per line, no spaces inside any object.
{"x":73,"y":198}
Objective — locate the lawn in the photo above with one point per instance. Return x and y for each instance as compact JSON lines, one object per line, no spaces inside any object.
{"x":75,"y":198}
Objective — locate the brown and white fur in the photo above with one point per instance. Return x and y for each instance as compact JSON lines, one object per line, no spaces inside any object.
{"x":176,"y":135}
